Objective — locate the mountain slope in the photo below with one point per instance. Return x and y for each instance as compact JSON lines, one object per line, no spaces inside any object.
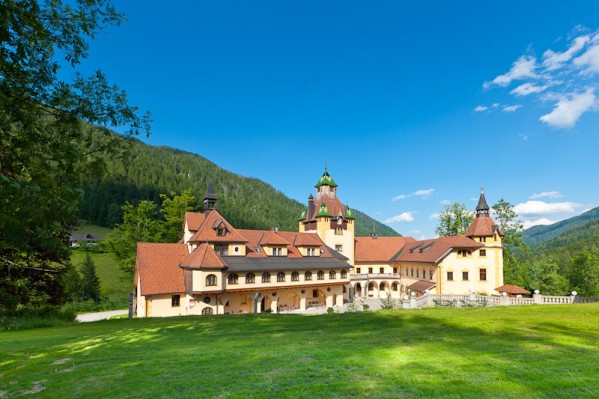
{"x":540,"y":234}
{"x":245,"y":202}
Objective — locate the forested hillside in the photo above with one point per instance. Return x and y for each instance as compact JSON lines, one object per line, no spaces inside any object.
{"x":540,"y":234}
{"x":245,"y":202}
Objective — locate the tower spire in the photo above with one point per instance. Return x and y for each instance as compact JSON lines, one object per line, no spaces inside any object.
{"x":210,"y":198}
{"x":482,"y":209}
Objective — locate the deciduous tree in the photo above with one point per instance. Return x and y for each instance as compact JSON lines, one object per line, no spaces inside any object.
{"x":454,"y":220}
{"x":51,"y":131}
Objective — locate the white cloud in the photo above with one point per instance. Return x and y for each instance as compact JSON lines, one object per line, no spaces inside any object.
{"x":496,"y":105}
{"x":418,"y":193}
{"x":569,"y":109}
{"x":523,"y":67}
{"x":547,"y":194}
{"x":405,"y":217}
{"x":589,"y":60}
{"x":511,"y":108}
{"x":424,"y":193}
{"x":434,"y":216}
{"x":535,"y":222}
{"x":528,"y":88}
{"x":445,"y":202}
{"x":530,"y":208}
{"x":553,"y":60}
{"x":480,"y":108}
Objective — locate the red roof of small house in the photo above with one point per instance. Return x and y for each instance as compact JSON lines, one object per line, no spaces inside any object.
{"x":203,"y":257}
{"x":512,"y":290}
{"x":421,"y":285}
{"x":434,"y":250}
{"x":207,"y":231}
{"x":382,"y":249}
{"x":483,"y":226}
{"x":194,"y":220}
{"x":307,"y":240}
{"x":158,"y":268}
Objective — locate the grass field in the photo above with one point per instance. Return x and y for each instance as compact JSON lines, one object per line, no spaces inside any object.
{"x":114,"y":285}
{"x":516,"y":352}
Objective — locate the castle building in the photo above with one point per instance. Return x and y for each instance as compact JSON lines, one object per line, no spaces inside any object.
{"x":218,"y":269}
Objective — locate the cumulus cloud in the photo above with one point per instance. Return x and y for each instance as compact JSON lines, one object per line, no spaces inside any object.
{"x":434,"y":216}
{"x":535,"y":222}
{"x":589,"y":60}
{"x":445,"y":202}
{"x":511,"y":108}
{"x":570,"y":73}
{"x":541,"y":208}
{"x":405,"y":217}
{"x":569,"y":109}
{"x":546,"y":194}
{"x":418,"y":193}
{"x":480,"y":108}
{"x":553,"y":60}
{"x":528,"y":88}
{"x":523,"y":67}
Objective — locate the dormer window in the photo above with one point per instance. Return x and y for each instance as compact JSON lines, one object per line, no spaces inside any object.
{"x":311,"y":252}
{"x":220,"y":232}
{"x":277,"y":251}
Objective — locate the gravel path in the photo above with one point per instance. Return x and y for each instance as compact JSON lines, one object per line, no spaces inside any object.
{"x":87,"y":317}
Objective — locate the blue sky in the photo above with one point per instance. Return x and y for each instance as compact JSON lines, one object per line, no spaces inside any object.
{"x":411,"y":104}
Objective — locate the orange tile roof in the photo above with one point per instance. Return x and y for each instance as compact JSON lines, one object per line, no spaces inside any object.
{"x":333,"y":206}
{"x":434,"y":250}
{"x":380,"y":249}
{"x":512,"y":289}
{"x":158,"y":268}
{"x":203,"y":257}
{"x":273,"y":238}
{"x":483,"y":226}
{"x":207,"y":232}
{"x":421,"y":285}
{"x":255,"y":237}
{"x":194,"y":220}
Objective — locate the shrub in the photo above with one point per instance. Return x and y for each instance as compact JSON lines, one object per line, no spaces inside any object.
{"x":330,"y":310}
{"x":352,"y":307}
{"x":387,"y":302}
{"x":27,"y":317}
{"x":365,"y":307}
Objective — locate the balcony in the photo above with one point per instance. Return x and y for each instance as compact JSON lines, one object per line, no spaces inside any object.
{"x":374,"y":276}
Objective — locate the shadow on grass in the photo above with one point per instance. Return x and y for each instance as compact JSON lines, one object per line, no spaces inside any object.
{"x":474,"y":353}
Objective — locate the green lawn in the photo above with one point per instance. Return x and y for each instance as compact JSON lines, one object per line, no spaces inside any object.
{"x":516,"y":352}
{"x":97,"y":231}
{"x":113,"y":282}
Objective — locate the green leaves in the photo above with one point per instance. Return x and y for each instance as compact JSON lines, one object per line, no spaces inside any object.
{"x":454,"y":220}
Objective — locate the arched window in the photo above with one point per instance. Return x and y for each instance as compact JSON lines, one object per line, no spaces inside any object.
{"x":295,"y":276}
{"x":308,"y":276}
{"x":250,"y":278}
{"x":394,"y":286}
{"x":320,"y":275}
{"x":343,"y":273}
{"x":233,"y":278}
{"x":281,"y":277}
{"x":207,"y":311}
{"x":210,"y":280}
{"x":266,"y":277}
{"x":332,"y":275}
{"x":370,"y":286}
{"x":382,"y":286}
{"x":358,"y":287}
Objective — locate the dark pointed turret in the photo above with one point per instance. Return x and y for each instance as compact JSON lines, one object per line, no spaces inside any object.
{"x":310,"y":207}
{"x":373,"y":233}
{"x":210,"y":197}
{"x":482,"y":209}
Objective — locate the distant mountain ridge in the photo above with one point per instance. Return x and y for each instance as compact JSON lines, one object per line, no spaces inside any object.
{"x":540,"y":234}
{"x":246,"y":202}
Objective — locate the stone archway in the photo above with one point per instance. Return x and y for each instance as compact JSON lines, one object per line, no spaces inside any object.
{"x":358,"y":290}
{"x":239,"y":303}
{"x":266,"y":303}
{"x":316,"y":298}
{"x":288,"y":300}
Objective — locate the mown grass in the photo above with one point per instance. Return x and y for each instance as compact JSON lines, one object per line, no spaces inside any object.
{"x":529,"y":351}
{"x":114,"y":284}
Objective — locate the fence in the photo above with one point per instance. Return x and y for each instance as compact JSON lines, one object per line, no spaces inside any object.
{"x":472,"y":300}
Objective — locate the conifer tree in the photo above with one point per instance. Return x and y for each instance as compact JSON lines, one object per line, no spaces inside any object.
{"x":90,"y":283}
